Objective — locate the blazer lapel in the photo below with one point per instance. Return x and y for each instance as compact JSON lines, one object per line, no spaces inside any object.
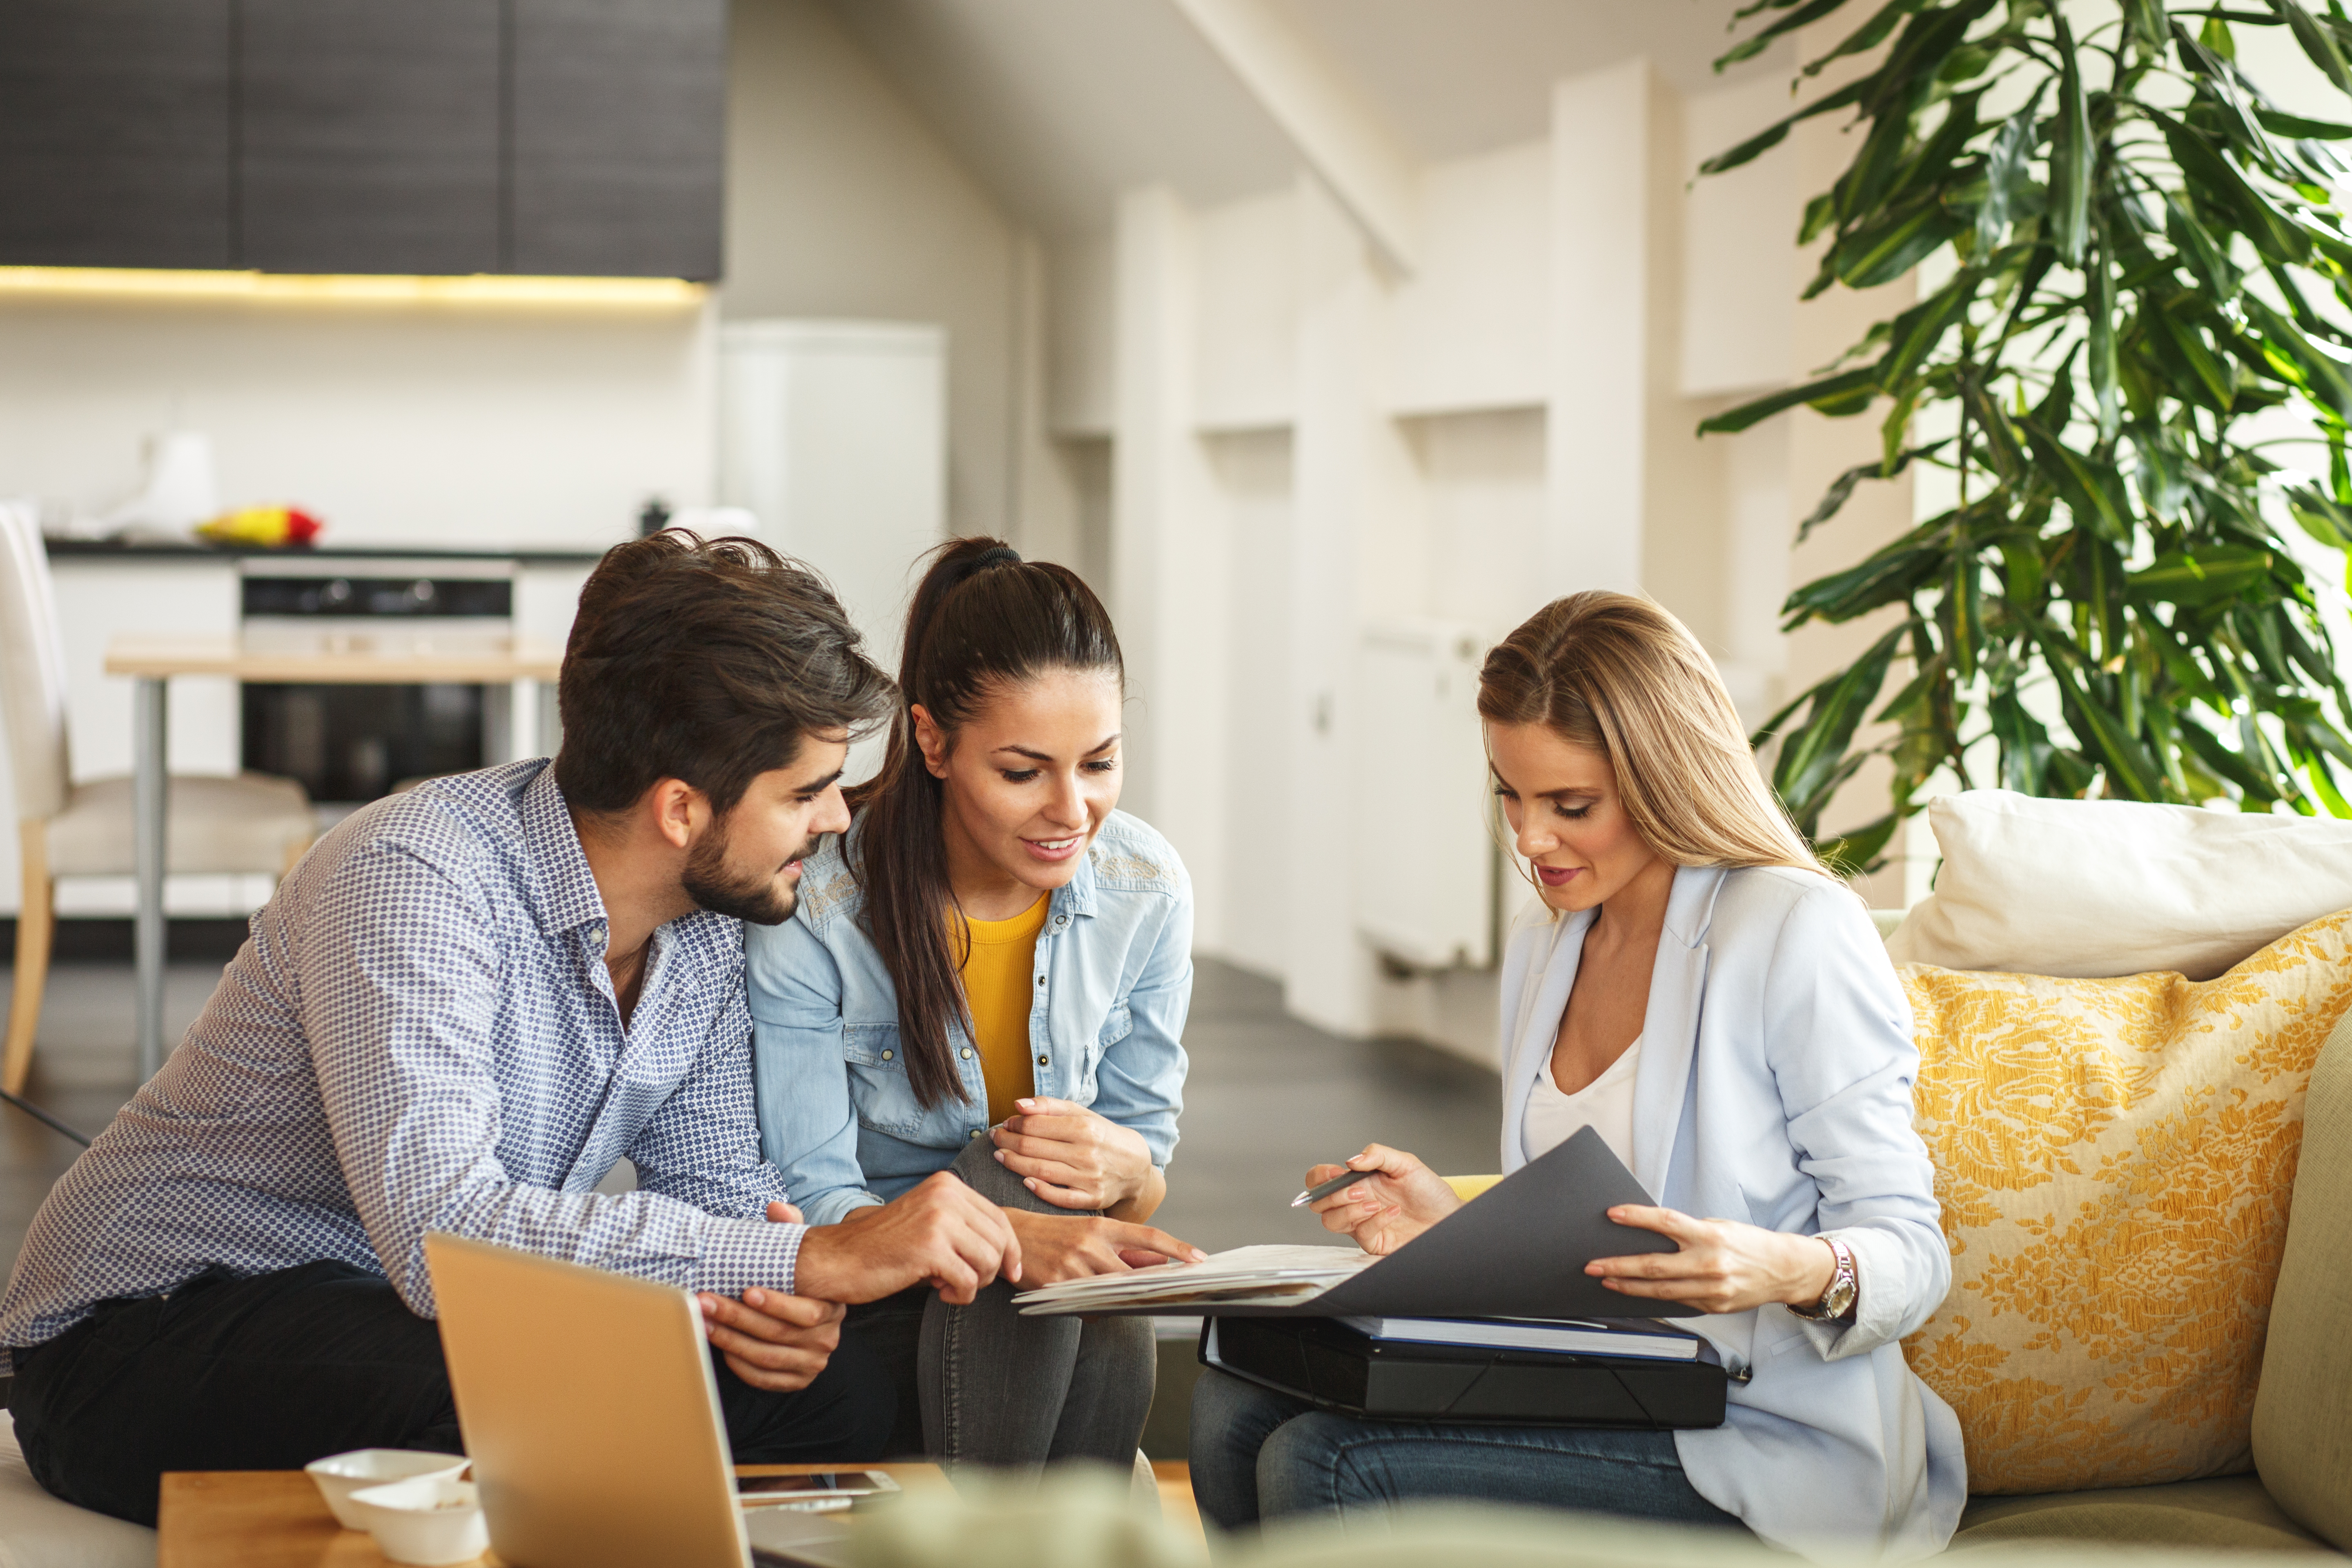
{"x":1670,"y":1027}
{"x":1537,"y":1025}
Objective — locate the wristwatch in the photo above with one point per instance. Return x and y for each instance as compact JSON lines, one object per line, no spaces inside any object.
{"x":1837,"y":1301}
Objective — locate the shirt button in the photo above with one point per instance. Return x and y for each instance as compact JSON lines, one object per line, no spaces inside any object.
{"x":1041,"y":980}
{"x":974,"y":1134}
{"x":1041,"y":1061}
{"x":1061,"y":920}
{"x":886,"y":1055}
{"x":967,"y":1053}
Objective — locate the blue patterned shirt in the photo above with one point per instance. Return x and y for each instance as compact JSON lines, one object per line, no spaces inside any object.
{"x":421,"y":1035}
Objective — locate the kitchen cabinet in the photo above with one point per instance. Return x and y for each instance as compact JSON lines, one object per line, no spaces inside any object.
{"x":369,"y":136}
{"x":619,"y":110}
{"x":114,"y":134}
{"x":563,"y":137}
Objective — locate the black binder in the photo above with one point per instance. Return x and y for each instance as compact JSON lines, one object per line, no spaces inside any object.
{"x":1333,"y":1366}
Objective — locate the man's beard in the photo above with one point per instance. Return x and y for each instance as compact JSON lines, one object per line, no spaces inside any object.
{"x":761,"y":901}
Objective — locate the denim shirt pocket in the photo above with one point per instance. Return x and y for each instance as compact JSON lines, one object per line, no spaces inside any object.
{"x":1117,"y":1026}
{"x":878,"y":1085}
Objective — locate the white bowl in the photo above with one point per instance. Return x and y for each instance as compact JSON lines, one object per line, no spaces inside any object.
{"x":431,"y":1519}
{"x":340,"y":1474}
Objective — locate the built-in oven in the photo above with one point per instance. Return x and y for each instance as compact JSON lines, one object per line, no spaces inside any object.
{"x":350,"y":744}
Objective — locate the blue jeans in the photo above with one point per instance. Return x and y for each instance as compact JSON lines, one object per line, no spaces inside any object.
{"x":1259,"y":1455}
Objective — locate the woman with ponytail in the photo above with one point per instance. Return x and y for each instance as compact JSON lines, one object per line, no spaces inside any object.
{"x":989,"y":976}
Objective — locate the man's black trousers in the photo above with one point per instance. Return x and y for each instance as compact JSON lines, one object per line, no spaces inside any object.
{"x":273,"y":1372}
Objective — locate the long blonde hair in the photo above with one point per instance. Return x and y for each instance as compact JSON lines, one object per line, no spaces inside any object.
{"x":1618,"y":674}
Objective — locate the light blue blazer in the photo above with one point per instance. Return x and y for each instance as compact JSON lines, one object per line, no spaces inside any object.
{"x":1774,"y":1086}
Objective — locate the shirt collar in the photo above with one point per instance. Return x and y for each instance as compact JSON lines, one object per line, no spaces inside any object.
{"x":1076,"y":897}
{"x":567,"y":893}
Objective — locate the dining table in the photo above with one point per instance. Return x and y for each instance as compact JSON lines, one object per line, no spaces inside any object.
{"x":150,"y":662}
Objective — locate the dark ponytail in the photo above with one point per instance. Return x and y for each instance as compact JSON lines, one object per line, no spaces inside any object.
{"x":982,"y":619}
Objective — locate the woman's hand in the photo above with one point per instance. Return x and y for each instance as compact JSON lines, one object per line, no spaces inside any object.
{"x":1723,"y":1266}
{"x":1071,"y":1157}
{"x":1054,"y":1247}
{"x":1385,"y":1212}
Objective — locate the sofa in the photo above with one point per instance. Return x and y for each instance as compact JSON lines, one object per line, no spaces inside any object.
{"x":2297,"y":1499}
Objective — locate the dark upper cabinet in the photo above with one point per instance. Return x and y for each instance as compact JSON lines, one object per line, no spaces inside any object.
{"x":114,"y":134}
{"x":581,"y":137}
{"x":619,"y":128}
{"x":369,"y":136}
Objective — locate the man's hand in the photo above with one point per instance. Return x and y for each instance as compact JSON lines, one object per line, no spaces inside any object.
{"x":1054,"y":1247}
{"x":1073,"y":1157}
{"x":941,"y":1234}
{"x":772,"y":1341}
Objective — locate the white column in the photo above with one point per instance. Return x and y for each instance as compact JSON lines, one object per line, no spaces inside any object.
{"x":1600,"y":258}
{"x":1169,"y":548}
{"x":1328,"y":969}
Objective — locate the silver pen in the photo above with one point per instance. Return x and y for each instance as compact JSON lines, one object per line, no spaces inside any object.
{"x":1317,"y":1194}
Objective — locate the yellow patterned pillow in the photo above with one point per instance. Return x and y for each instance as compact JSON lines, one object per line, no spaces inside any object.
{"x":2115,"y":1159}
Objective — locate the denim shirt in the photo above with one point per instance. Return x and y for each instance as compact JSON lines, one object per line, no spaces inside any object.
{"x":1113,"y":979}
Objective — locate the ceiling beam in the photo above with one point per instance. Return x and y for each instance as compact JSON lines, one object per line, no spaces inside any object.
{"x":1346,"y":146}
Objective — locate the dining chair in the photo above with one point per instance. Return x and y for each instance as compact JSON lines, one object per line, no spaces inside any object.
{"x":251,"y":824}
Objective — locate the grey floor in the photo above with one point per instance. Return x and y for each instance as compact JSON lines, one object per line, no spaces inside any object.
{"x":1268,"y":1097}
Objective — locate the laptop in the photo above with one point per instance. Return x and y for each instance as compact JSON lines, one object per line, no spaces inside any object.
{"x":590,"y":1412}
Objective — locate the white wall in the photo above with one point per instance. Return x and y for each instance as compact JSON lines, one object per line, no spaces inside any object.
{"x":842,"y":201}
{"x":1307,"y":442}
{"x":425,"y":422}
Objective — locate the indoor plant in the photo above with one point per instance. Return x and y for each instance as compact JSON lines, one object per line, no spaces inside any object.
{"x":2139,"y":252}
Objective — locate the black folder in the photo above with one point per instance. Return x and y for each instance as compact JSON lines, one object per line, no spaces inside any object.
{"x":1333,"y":1366}
{"x":1519,"y":1250}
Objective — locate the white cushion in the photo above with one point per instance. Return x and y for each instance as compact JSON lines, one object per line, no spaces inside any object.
{"x":37,"y":1531}
{"x":2097,"y":889}
{"x":249,"y":824}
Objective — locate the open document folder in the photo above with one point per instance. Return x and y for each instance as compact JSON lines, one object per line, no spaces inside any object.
{"x":1516,"y":1251}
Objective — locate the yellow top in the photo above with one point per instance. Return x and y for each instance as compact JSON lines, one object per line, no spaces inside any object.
{"x":997,"y":987}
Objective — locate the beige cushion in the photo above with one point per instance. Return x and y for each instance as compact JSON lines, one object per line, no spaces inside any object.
{"x":248,"y":824}
{"x":37,"y":1531}
{"x":2303,"y":1416}
{"x":2115,"y":1160}
{"x":2105,"y":887}
{"x":2232,"y":1512}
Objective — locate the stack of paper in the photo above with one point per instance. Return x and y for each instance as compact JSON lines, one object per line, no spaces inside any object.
{"x":1245,"y":1276}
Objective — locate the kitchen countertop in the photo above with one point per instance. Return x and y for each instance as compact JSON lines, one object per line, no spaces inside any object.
{"x":112,"y":549}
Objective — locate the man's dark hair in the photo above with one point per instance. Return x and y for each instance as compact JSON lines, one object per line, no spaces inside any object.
{"x":706,"y":661}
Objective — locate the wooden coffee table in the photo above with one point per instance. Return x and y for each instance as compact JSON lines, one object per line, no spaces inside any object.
{"x":275,"y":1518}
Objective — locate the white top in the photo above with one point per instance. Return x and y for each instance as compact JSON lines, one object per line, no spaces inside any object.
{"x":1605,"y":1105}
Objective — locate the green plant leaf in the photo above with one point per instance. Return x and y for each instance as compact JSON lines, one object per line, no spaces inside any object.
{"x":1852,"y":854}
{"x":1884,"y":251}
{"x":2278,"y":123}
{"x":2317,"y":44}
{"x":2072,"y":152}
{"x":2203,"y":576}
{"x":1829,"y":389}
{"x":1867,"y":37}
{"x":2006,"y":171}
{"x":2215,"y":178}
{"x":1841,"y":489}
{"x":1750,"y":48}
{"x":1806,"y":773}
{"x":1771,"y":136}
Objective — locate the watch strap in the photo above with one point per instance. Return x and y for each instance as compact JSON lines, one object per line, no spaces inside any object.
{"x":1838,"y":1299}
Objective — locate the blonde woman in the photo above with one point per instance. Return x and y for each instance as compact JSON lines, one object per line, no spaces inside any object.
{"x":1719,"y":1009}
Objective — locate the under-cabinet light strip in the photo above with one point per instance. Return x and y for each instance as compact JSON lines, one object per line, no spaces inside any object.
{"x":480,"y":288}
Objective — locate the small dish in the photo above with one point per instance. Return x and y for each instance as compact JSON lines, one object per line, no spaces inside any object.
{"x":340,"y":1474}
{"x":431,"y":1520}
